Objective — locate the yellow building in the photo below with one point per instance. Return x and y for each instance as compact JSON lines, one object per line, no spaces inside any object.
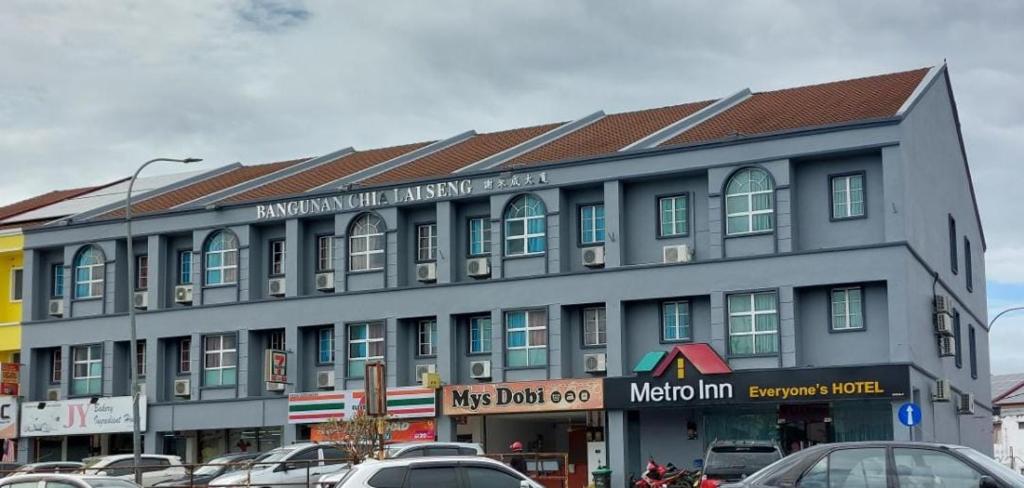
{"x":11,"y":243}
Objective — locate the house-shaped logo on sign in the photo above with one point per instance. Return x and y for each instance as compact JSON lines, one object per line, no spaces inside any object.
{"x":701,"y":356}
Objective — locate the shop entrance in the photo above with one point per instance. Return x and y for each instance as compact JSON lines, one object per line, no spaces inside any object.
{"x":805,"y":425}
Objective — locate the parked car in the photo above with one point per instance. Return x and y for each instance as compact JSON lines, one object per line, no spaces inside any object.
{"x":423,"y":449}
{"x":55,"y":480}
{"x":728,"y":461}
{"x":295,"y":464}
{"x":430,"y":472}
{"x":48,"y":467}
{"x":220,"y":466}
{"x":885,"y":464}
{"x":155,"y":467}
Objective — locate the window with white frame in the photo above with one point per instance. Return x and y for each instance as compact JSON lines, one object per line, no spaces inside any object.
{"x":17,"y":277}
{"x":366,"y":243}
{"x":847,"y":309}
{"x":525,"y":226}
{"x":426,"y":333}
{"x":221,"y":256}
{"x":749,"y":202}
{"x":184,"y":267}
{"x":365,"y":344}
{"x":675,"y":321}
{"x":185,"y":355}
{"x":276,"y":341}
{"x":57,"y":280}
{"x":87,"y":370}
{"x":277,"y":257}
{"x":848,"y":196}
{"x":479,"y":236}
{"x":220,"y":360}
{"x":426,"y":242}
{"x":674,"y":216}
{"x":480,"y":335}
{"x":89,"y":273}
{"x":595,"y":328}
{"x":324,"y":253}
{"x":592,"y":224}
{"x":526,"y":338}
{"x":325,"y":345}
{"x":753,"y":324}
{"x":56,"y":366}
{"x":140,"y":357}
{"x":141,"y":272}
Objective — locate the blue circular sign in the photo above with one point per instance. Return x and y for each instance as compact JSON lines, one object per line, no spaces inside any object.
{"x":909,"y":414}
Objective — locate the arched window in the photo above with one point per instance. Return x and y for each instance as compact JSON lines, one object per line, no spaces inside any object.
{"x":221,"y":259}
{"x":525,"y":226}
{"x":366,"y":243}
{"x":749,"y":202}
{"x":90,"y":266}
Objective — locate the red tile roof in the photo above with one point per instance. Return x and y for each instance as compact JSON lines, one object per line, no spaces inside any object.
{"x":45,"y":199}
{"x":445,"y":161}
{"x":325,"y":173}
{"x":201,"y":188}
{"x":868,"y":98}
{"x":607,"y":135}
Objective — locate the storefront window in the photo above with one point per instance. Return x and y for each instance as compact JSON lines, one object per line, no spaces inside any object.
{"x":753,"y":424}
{"x":526,"y":338}
{"x":862,"y":421}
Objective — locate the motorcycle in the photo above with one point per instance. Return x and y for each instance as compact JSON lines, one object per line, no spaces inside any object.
{"x":665,"y":476}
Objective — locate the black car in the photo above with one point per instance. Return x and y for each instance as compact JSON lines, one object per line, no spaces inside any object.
{"x":204,"y":474}
{"x":728,"y":461}
{"x":885,"y":464}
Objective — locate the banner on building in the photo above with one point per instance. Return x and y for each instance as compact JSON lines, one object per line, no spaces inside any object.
{"x":403,"y":403}
{"x":524,"y":396}
{"x":101,"y":415}
{"x":8,"y":417}
{"x":421,"y":430}
{"x":275,"y":366}
{"x":694,"y":374}
{"x":9,"y":376}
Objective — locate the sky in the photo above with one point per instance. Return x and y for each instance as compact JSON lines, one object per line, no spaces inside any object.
{"x":90,"y":89}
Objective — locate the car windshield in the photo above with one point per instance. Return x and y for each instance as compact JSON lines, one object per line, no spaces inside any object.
{"x":217,"y":465}
{"x":277,"y":455}
{"x":90,"y":462}
{"x":745,"y":458}
{"x":996,"y":468}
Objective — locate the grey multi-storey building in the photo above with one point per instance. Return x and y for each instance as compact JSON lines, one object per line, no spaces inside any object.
{"x":819,"y":248}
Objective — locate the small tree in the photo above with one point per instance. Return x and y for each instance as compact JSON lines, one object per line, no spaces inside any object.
{"x":360,"y":437}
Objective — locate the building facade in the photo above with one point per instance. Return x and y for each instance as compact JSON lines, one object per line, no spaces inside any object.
{"x":762,"y":235}
{"x":1008,"y":423}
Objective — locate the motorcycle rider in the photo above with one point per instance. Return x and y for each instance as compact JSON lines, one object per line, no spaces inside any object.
{"x":517,"y":462}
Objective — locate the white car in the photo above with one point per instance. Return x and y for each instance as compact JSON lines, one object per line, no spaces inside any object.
{"x":432,"y":449}
{"x":155,"y":467}
{"x":54,"y":480}
{"x":292,"y":465}
{"x":430,"y":472}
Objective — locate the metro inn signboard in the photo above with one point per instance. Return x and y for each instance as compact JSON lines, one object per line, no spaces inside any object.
{"x":397,"y":196}
{"x":694,"y":374}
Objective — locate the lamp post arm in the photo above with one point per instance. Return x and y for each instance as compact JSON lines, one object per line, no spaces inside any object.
{"x":1004,"y":312}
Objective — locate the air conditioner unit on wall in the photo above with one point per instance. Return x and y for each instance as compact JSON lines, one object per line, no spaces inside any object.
{"x":966,"y":404}
{"x":183,"y":294}
{"x":478,"y":267}
{"x":676,"y":254}
{"x":52,"y":394}
{"x":183,"y":387}
{"x":943,"y":305}
{"x":325,"y":281}
{"x":56,"y":307}
{"x":275,"y":287}
{"x":943,"y":391}
{"x":480,"y":370}
{"x":426,"y":272}
{"x":275,"y":386}
{"x":947,"y":346}
{"x":140,"y":299}
{"x":943,"y":324}
{"x":325,"y":379}
{"x":593,"y":257}
{"x":422,"y":369}
{"x":595,"y":362}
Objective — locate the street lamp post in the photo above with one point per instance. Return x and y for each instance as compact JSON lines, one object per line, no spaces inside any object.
{"x":1004,"y":312}
{"x":136,"y":435}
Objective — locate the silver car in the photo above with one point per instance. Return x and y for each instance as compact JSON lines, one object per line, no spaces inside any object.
{"x":293,"y":465}
{"x":430,"y":472}
{"x":424,"y":449}
{"x":53,"y":480}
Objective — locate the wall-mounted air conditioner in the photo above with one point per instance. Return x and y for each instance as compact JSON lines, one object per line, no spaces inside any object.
{"x":275,"y":287}
{"x":943,"y":304}
{"x":676,"y":254}
{"x":422,"y":369}
{"x":183,"y":388}
{"x":426,"y":272}
{"x":947,"y":346}
{"x":52,"y":394}
{"x":325,"y":281}
{"x":480,"y":370}
{"x":56,"y":307}
{"x":595,"y":362}
{"x":943,"y":324}
{"x":325,"y":379}
{"x":943,"y":391}
{"x":183,"y":294}
{"x":275,"y":386}
{"x":140,"y":299}
{"x":478,"y":267}
{"x":593,"y":257}
{"x":966,"y":404}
